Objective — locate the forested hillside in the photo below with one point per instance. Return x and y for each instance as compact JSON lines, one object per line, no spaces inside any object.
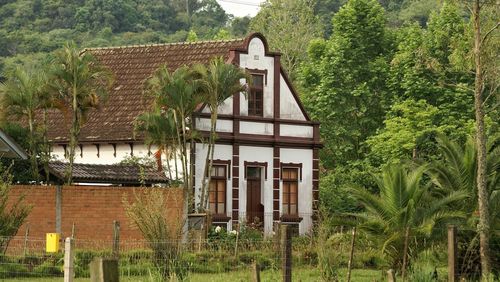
{"x":30,"y":28}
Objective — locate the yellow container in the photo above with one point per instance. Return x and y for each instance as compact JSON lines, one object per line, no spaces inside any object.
{"x":52,"y":242}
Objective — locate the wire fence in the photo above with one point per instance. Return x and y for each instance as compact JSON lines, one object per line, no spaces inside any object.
{"x":224,"y":257}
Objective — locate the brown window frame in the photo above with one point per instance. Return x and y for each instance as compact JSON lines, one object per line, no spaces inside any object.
{"x":216,"y":180}
{"x":256,"y":106}
{"x":286,"y":192}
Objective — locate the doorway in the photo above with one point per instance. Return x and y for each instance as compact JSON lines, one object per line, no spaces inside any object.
{"x":255,"y":210}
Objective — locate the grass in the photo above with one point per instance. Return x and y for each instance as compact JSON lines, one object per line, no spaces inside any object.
{"x":299,"y":274}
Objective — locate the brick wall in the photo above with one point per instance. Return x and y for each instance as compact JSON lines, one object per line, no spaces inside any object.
{"x":92,"y":210}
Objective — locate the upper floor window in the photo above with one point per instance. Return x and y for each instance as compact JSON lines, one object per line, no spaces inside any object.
{"x":256,"y":96}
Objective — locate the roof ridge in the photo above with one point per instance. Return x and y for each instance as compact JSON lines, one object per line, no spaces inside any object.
{"x":163,"y":44}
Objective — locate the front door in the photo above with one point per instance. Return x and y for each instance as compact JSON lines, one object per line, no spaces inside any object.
{"x":255,"y":210}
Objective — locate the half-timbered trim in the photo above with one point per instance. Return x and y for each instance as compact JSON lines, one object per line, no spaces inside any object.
{"x":276,"y":183}
{"x":236,"y":183}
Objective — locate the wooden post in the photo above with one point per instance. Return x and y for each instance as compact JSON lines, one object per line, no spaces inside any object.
{"x":68,"y":260}
{"x":351,"y":255}
{"x":390,"y":276}
{"x":26,"y":234}
{"x":452,"y":253}
{"x":286,"y":252}
{"x":255,"y":272}
{"x":73,"y":231}
{"x":116,"y":239}
{"x":405,"y":253}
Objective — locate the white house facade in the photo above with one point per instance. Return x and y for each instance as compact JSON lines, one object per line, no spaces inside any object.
{"x":266,"y":165}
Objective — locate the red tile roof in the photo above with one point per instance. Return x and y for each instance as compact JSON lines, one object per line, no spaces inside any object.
{"x":131,"y":66}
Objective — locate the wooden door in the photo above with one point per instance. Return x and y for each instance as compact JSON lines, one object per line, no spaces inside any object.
{"x":255,"y":210}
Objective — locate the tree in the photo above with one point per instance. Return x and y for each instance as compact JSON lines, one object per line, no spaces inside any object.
{"x":12,"y":213}
{"x":289,"y":26}
{"x":176,"y":95}
{"x":457,"y":171}
{"x":160,"y":130}
{"x":345,"y":80}
{"x":408,"y":128}
{"x":480,"y":40}
{"x":219,"y":81}
{"x":403,"y":208}
{"x":22,"y":95}
{"x":79,"y":84}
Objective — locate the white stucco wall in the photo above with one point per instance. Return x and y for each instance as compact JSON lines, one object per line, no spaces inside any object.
{"x":289,"y":109}
{"x":248,"y":127}
{"x":256,"y":59}
{"x":222,"y":125}
{"x":296,"y":130}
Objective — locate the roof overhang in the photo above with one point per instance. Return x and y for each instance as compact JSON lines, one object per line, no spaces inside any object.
{"x":9,"y":148}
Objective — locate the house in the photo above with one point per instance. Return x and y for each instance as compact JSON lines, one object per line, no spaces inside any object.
{"x":266,"y":155}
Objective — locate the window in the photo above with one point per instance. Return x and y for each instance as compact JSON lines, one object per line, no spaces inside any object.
{"x":217,"y":190}
{"x":290,"y":178}
{"x":256,"y":96}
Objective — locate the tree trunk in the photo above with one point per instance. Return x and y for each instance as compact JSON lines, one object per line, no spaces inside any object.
{"x":483,"y":227}
{"x":405,"y":254}
{"x":33,"y":153}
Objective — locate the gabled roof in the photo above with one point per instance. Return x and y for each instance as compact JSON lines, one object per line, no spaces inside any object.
{"x":113,"y":174}
{"x":131,"y":66}
{"x":9,"y":148}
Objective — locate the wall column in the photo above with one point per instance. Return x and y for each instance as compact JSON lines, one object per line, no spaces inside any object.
{"x":276,"y":183}
{"x":315,"y":180}
{"x":236,"y":183}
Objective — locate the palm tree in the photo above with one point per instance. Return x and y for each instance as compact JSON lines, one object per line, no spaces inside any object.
{"x":457,"y":171}
{"x":219,"y":82}
{"x":160,"y":130}
{"x":403,"y":208}
{"x":79,"y":84}
{"x":176,"y":94}
{"x":22,"y":95}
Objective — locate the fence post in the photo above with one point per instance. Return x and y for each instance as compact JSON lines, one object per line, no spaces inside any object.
{"x":116,"y":239}
{"x":286,"y":252}
{"x":255,"y":272}
{"x":68,"y":260}
{"x":452,"y":253}
{"x":351,"y":255}
{"x":390,"y":275}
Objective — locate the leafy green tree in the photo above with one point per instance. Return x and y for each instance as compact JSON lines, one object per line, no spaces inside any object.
{"x":239,"y":26}
{"x":219,"y":81}
{"x":345,"y":81}
{"x":288,"y":25}
{"x":408,"y":128}
{"x":78,"y":84}
{"x":22,"y":95}
{"x":403,"y":208}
